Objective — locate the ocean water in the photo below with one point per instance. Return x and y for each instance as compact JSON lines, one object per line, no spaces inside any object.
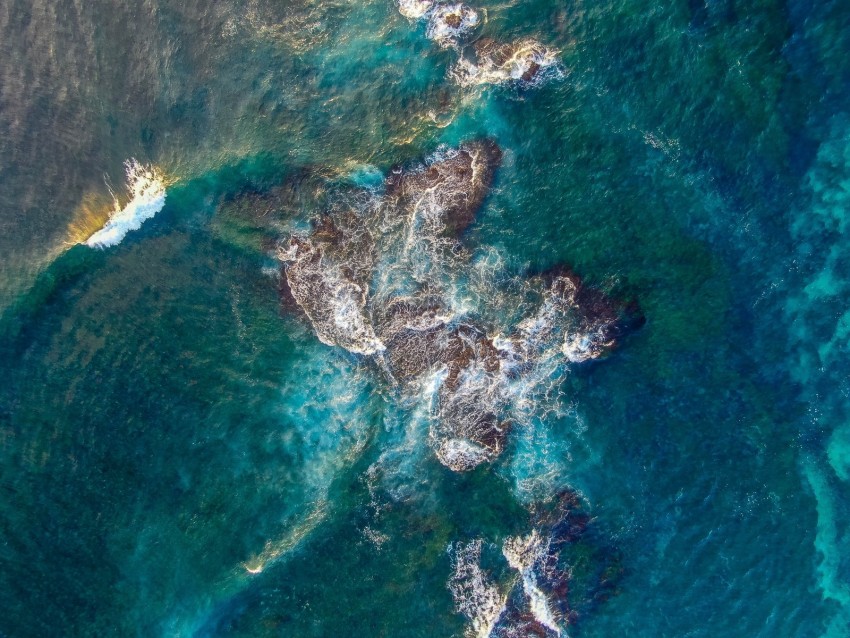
{"x":184,"y":453}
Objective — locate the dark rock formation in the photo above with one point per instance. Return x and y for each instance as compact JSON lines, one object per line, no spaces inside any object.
{"x":449,"y":189}
{"x":452,"y":19}
{"x":328,"y":276}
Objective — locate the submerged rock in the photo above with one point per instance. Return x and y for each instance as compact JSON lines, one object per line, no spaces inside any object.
{"x":517,"y":622}
{"x":565,"y":517}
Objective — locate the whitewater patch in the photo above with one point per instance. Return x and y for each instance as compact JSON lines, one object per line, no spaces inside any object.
{"x":385,"y":274}
{"x":146,"y":186}
{"x":525,"y":554}
{"x":522,"y":64}
{"x":496,"y":608}
{"x":525,"y":63}
{"x":448,"y":23}
{"x":415,"y":9}
{"x":475,"y":594}
{"x":534,"y":596}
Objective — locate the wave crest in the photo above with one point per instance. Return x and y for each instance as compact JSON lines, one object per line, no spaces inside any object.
{"x":147,"y":190}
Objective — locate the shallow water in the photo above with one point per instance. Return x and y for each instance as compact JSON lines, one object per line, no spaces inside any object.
{"x":182,"y":456}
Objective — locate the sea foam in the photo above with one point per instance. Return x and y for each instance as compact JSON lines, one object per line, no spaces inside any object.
{"x":475,"y":594}
{"x":526,"y":554}
{"x":448,"y":23}
{"x":415,"y":9}
{"x":525,"y":63}
{"x":147,"y":189}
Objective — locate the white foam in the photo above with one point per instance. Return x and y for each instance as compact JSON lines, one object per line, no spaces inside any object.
{"x":334,"y":304}
{"x":476,"y":596}
{"x":583,"y":346}
{"x":349,"y":318}
{"x":525,"y":55}
{"x":461,"y":416}
{"x":484,"y":602}
{"x":147,"y":190}
{"x":398,"y":469}
{"x":524,"y":554}
{"x":448,"y":23}
{"x":415,"y":9}
{"x":461,"y":455}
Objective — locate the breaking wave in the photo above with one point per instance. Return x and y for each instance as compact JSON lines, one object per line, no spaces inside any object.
{"x":147,"y":197}
{"x":449,"y":23}
{"x":415,"y":9}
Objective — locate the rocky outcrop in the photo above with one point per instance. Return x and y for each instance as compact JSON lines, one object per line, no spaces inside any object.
{"x":445,"y":193}
{"x":375,"y":279}
{"x":327,"y":274}
{"x":449,"y":23}
{"x":522,"y":63}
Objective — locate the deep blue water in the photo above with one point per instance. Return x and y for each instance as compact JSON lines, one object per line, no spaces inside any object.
{"x":182,"y":455}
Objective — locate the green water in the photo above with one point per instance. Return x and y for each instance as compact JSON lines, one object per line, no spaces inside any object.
{"x":181,"y":456}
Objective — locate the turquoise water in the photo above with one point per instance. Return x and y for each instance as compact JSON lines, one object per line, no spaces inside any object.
{"x":182,"y":455}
